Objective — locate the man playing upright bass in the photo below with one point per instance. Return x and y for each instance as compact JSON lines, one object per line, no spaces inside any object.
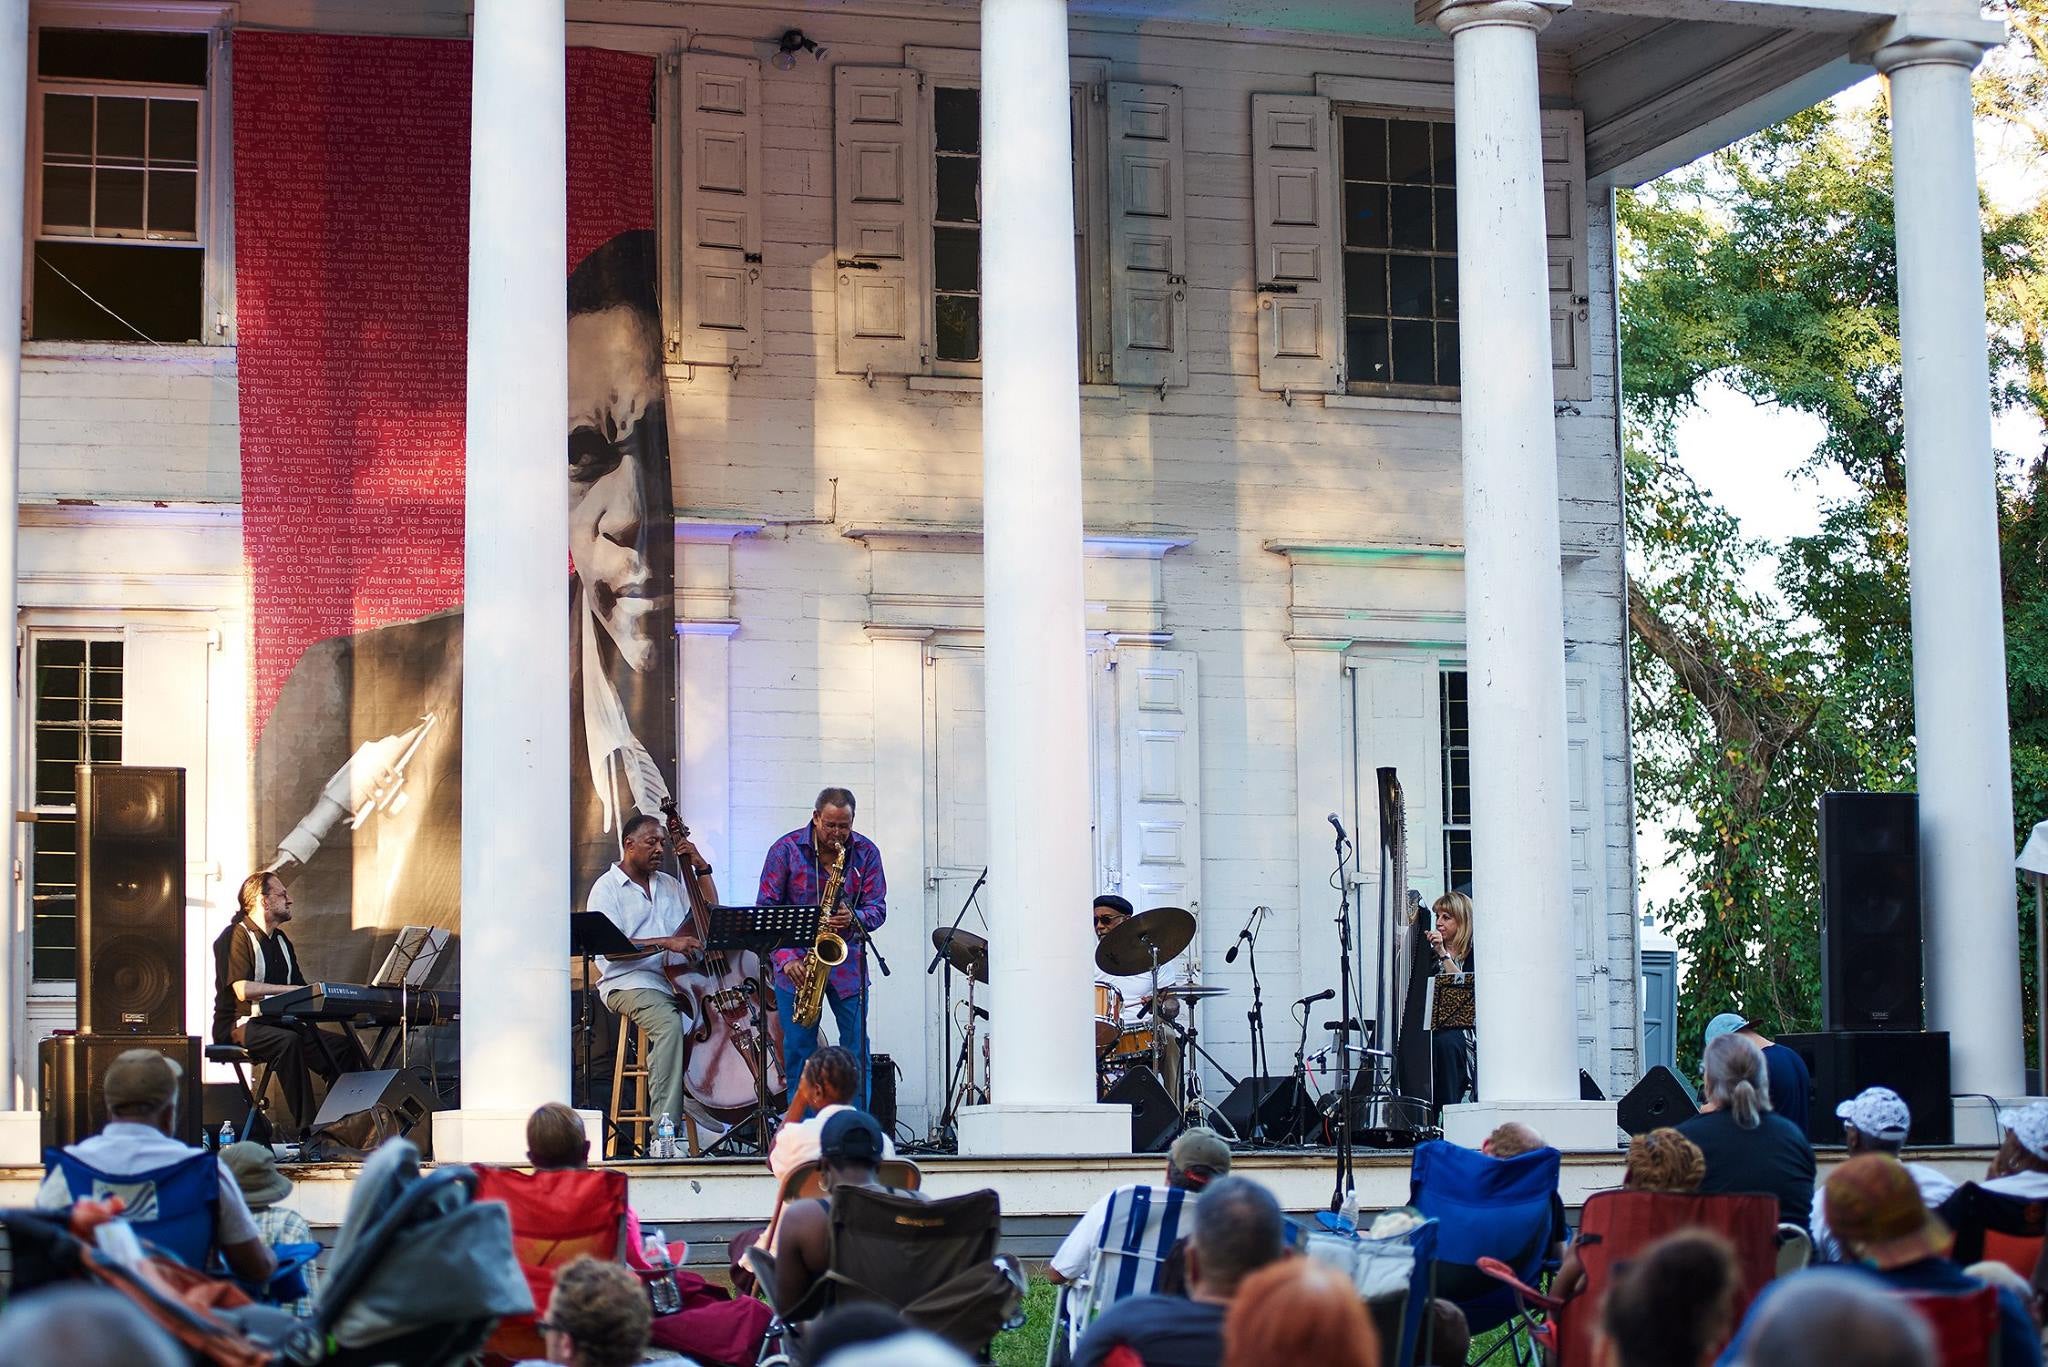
{"x":795,"y":874}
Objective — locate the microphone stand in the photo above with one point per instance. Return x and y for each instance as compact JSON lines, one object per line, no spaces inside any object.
{"x":1346,"y":1184}
{"x":940,"y":956}
{"x":1256,"y":1019}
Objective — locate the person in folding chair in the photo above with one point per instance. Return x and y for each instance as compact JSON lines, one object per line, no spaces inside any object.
{"x":182,"y":1199}
{"x":850,"y":1147}
{"x":1197,"y":1157}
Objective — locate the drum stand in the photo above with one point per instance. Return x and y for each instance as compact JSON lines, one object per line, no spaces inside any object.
{"x":960,"y":1085}
{"x":1194,"y":1109}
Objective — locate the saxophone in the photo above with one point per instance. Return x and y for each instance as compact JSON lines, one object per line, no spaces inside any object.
{"x":809,"y":973}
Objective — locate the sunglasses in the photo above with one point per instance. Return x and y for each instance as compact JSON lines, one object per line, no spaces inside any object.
{"x":550,"y":1327}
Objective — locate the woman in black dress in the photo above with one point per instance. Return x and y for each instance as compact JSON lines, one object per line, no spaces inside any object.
{"x":1453,"y":1054}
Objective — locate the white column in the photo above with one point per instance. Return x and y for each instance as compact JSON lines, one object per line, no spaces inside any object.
{"x":20,"y":1130}
{"x":515,"y":651}
{"x":1036,"y":690}
{"x":1962,"y":742}
{"x":1514,"y":591}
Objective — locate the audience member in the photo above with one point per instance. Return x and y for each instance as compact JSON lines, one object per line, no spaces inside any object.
{"x":848,"y":1327}
{"x":908,"y":1348}
{"x":1791,"y":1085}
{"x":263,"y":1186}
{"x":830,"y":1082}
{"x":84,"y":1326}
{"x":1661,"y":1160}
{"x":557,"y":1142}
{"x":1512,"y":1139}
{"x":1673,"y":1304}
{"x":1746,"y":1146}
{"x":1238,"y":1230}
{"x":1875,"y":1120}
{"x":2021,"y":1165}
{"x":849,"y":1149}
{"x":1298,"y":1311}
{"x":1830,"y":1317}
{"x":1197,"y":1158}
{"x":1450,"y":1335}
{"x":598,"y":1316}
{"x":141,"y":1091}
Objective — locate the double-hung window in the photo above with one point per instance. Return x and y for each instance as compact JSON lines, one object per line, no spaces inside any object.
{"x":75,"y":718}
{"x":1454,"y":740}
{"x":1400,"y":286}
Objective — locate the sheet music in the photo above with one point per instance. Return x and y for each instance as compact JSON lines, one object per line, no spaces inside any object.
{"x":412,"y":957}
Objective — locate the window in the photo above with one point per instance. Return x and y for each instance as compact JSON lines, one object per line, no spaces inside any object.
{"x":1453,"y":729}
{"x":118,"y":245}
{"x":1400,"y":253}
{"x":956,"y":224}
{"x":76,"y":718}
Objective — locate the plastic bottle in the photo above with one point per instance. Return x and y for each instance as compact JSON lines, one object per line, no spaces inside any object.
{"x":227,"y":1133}
{"x":664,"y":1137}
{"x":1351,"y":1208}
{"x":662,"y":1291}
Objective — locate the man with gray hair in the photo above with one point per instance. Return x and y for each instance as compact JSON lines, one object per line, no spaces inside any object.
{"x":1831,"y":1317}
{"x":1875,"y":1120}
{"x":84,"y":1326}
{"x":1747,"y":1147}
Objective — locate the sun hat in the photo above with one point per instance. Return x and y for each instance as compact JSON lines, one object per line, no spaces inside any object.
{"x":1878,"y":1112}
{"x":2029,"y":1125}
{"x":255,"y":1168}
{"x":1873,"y":1206}
{"x":1727,"y":1023}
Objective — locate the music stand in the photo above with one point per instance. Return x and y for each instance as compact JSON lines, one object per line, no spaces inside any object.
{"x":408,"y":964}
{"x":1449,"y":1002}
{"x":594,"y":933}
{"x":763,"y":930}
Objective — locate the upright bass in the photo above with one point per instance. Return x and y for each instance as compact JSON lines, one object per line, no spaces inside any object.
{"x":730,"y":1062}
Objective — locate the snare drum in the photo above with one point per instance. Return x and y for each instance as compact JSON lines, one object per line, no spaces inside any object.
{"x":1133,"y":1042}
{"x":1109,"y":1016}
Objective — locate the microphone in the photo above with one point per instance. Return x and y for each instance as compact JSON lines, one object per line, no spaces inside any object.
{"x":1243,"y":935}
{"x":1321,"y":996}
{"x":979,"y":882}
{"x":1340,"y":828}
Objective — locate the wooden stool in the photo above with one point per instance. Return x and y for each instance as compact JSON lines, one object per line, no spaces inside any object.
{"x":631,"y":1124}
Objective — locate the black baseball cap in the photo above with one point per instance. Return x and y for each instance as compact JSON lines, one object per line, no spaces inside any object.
{"x":853,"y":1135}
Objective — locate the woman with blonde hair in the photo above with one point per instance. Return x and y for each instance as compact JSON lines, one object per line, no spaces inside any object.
{"x":1453,"y":1054}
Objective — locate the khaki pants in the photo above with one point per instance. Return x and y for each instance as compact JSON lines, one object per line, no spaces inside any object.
{"x":660,"y":1017}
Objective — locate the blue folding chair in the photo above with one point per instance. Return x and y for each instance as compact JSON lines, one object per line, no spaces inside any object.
{"x":174,"y":1207}
{"x":1139,"y":1231}
{"x":1486,"y":1208}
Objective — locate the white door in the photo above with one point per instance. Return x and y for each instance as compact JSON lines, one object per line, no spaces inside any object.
{"x":957,"y":853}
{"x":1148,"y":788}
{"x":1591,"y":971}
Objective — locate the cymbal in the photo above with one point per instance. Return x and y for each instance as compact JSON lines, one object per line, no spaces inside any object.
{"x":1192,"y":992}
{"x":968,"y":951}
{"x":1128,"y":949}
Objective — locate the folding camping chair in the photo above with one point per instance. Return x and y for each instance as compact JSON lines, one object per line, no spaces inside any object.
{"x":1965,"y":1325}
{"x":1990,"y":1224}
{"x":1395,"y":1277}
{"x":556,"y":1217}
{"x":1138,"y":1232}
{"x":1486,"y":1208}
{"x":174,"y":1207}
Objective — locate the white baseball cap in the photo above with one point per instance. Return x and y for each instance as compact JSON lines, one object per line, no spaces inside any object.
{"x":2029,"y":1125}
{"x":1878,"y":1112}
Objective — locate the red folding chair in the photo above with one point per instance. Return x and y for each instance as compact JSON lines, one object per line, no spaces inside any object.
{"x":1965,"y":1324}
{"x":557,"y":1217}
{"x":1991,"y":1225}
{"x":1614,"y":1227}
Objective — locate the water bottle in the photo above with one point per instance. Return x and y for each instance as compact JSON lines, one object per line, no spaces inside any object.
{"x":1351,"y":1208}
{"x":661,"y":1288}
{"x":227,"y":1133}
{"x":665,"y":1137}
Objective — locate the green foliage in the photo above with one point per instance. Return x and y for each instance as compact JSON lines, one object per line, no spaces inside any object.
{"x":1770,"y":268}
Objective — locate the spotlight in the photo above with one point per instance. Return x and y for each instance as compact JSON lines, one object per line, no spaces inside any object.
{"x":793,"y":42}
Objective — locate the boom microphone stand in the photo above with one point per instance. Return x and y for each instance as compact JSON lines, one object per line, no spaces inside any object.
{"x":1344,"y":1196}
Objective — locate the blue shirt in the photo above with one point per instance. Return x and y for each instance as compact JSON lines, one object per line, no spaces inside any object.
{"x":1791,"y":1084}
{"x":792,"y":877}
{"x":2019,"y":1342}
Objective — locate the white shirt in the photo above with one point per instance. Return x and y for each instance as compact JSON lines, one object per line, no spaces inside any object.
{"x":125,"y":1147}
{"x":1935,"y":1187}
{"x":642,"y":915}
{"x":2027,"y":1186}
{"x":796,"y":1146}
{"x":1077,"y":1250}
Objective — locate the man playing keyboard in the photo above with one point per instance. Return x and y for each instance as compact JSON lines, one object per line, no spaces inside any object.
{"x":253,"y":959}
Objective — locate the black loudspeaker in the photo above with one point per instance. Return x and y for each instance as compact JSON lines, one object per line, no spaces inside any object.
{"x":1871,"y":971}
{"x":1284,"y":1112}
{"x":1153,"y":1119}
{"x":1844,"y":1062}
{"x":1660,"y":1099}
{"x":131,"y":900}
{"x":73,"y":1070}
{"x":1589,"y":1090}
{"x":882,"y":1091}
{"x":405,"y":1092}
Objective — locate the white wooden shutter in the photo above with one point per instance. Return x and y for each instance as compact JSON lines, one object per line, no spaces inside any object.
{"x":1159,"y":766}
{"x":1147,"y":235}
{"x":1564,"y":230}
{"x":1294,"y":204}
{"x":719,"y":315}
{"x":1592,"y":970}
{"x":881,"y":225}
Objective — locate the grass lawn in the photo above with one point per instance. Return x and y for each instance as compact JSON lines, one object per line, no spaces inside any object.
{"x":1025,"y":1347}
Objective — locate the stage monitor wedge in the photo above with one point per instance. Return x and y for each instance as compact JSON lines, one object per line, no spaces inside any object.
{"x":1870,"y":934}
{"x":131,"y":900}
{"x":1661,"y":1099}
{"x":1154,"y":1122}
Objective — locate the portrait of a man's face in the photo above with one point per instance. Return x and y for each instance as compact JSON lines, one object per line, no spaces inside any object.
{"x":618,"y":478}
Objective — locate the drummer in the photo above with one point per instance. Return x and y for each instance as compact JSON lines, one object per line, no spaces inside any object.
{"x":1135,"y":990}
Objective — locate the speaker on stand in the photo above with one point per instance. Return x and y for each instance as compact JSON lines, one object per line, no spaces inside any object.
{"x":1870,"y":934}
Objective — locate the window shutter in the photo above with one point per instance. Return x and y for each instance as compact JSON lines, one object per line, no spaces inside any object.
{"x":1564,"y":220}
{"x":719,"y":317}
{"x":881,"y":225}
{"x":1294,"y":205}
{"x":1148,"y":235}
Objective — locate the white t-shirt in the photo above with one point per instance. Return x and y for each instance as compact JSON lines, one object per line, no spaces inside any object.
{"x":641,"y":914}
{"x":1077,"y":1250}
{"x":126,"y":1147}
{"x":1934,"y":1186}
{"x":2027,"y":1186}
{"x":796,"y":1146}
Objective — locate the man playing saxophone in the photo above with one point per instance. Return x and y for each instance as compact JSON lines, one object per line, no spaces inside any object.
{"x":796,"y":873}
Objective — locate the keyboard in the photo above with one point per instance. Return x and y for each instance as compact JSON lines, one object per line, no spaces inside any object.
{"x":362,"y":1003}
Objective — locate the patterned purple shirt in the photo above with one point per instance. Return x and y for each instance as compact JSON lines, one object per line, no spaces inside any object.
{"x":791,"y":877}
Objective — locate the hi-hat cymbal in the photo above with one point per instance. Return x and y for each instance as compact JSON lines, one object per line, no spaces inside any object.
{"x":968,"y":951}
{"x":1129,"y":948}
{"x":1192,"y":992}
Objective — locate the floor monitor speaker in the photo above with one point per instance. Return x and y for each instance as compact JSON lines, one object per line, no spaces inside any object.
{"x":404,"y":1092}
{"x":1284,"y":1109}
{"x":1870,"y":954}
{"x":1660,"y":1099}
{"x":131,"y":900}
{"x":1843,"y":1062}
{"x":1153,"y":1119}
{"x":73,"y":1070}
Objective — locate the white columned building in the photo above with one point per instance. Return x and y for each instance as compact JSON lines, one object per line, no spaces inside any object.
{"x":1039,"y":853}
{"x":21,"y":1135}
{"x":1962,"y":756}
{"x":1514,"y":592}
{"x":515,"y":659}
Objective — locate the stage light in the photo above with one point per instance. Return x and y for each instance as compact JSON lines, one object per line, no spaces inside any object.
{"x":793,"y":42}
